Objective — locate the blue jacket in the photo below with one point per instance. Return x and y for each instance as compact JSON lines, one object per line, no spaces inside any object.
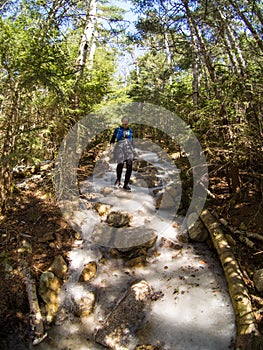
{"x":121,"y":134}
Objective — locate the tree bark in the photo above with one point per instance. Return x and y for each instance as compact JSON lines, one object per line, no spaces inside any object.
{"x":85,"y":47}
{"x":248,"y":335}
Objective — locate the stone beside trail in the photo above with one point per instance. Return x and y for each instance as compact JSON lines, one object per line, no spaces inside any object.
{"x":119,"y":330}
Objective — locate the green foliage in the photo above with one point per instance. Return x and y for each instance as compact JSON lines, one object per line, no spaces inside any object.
{"x":202,"y":64}
{"x":226,"y":114}
{"x":41,"y":96}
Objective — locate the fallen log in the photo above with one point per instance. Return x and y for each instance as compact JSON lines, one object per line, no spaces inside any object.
{"x":248,"y":336}
{"x":36,"y":317}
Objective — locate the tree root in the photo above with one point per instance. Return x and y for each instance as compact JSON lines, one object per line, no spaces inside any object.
{"x":248,"y":336}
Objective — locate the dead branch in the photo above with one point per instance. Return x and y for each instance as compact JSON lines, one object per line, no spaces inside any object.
{"x":254,"y":235}
{"x":242,"y":235}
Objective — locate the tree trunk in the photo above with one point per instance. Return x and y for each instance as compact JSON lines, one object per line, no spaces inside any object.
{"x":234,"y":50}
{"x":87,"y":37}
{"x":5,"y":185}
{"x":195,"y":65}
{"x":233,"y":176}
{"x":9,"y":132}
{"x":168,"y":56}
{"x":199,"y":42}
{"x":248,"y":335}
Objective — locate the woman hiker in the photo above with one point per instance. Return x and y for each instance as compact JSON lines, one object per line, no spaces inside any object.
{"x":123,"y":152}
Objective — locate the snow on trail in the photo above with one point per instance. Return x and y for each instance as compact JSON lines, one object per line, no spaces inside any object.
{"x":194,"y":310}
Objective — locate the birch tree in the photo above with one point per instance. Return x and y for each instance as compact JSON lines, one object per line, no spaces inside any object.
{"x":87,"y":45}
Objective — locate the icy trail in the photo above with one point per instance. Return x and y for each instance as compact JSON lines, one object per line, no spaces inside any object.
{"x":194,"y":310}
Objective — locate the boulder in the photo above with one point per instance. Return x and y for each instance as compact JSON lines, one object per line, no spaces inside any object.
{"x":170,"y":197}
{"x":124,"y":238}
{"x":119,"y":330}
{"x":197,"y":231}
{"x":118,"y":219}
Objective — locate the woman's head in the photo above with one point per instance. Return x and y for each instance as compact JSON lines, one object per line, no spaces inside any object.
{"x":124,"y":121}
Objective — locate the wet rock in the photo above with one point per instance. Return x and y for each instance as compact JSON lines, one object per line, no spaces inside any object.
{"x":258,"y":280}
{"x":49,"y":289}
{"x":167,"y":243}
{"x":102,"y":209}
{"x":59,"y":267}
{"x":119,"y":330}
{"x":88,"y":272}
{"x":118,"y":219}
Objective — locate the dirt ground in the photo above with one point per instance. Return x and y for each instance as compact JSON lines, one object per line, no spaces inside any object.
{"x":33,"y":232}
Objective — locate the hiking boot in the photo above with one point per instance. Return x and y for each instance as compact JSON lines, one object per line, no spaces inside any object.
{"x":127,"y":188}
{"x":117,"y":183}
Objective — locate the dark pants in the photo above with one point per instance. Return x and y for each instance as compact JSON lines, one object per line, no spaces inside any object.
{"x":128,"y":171}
